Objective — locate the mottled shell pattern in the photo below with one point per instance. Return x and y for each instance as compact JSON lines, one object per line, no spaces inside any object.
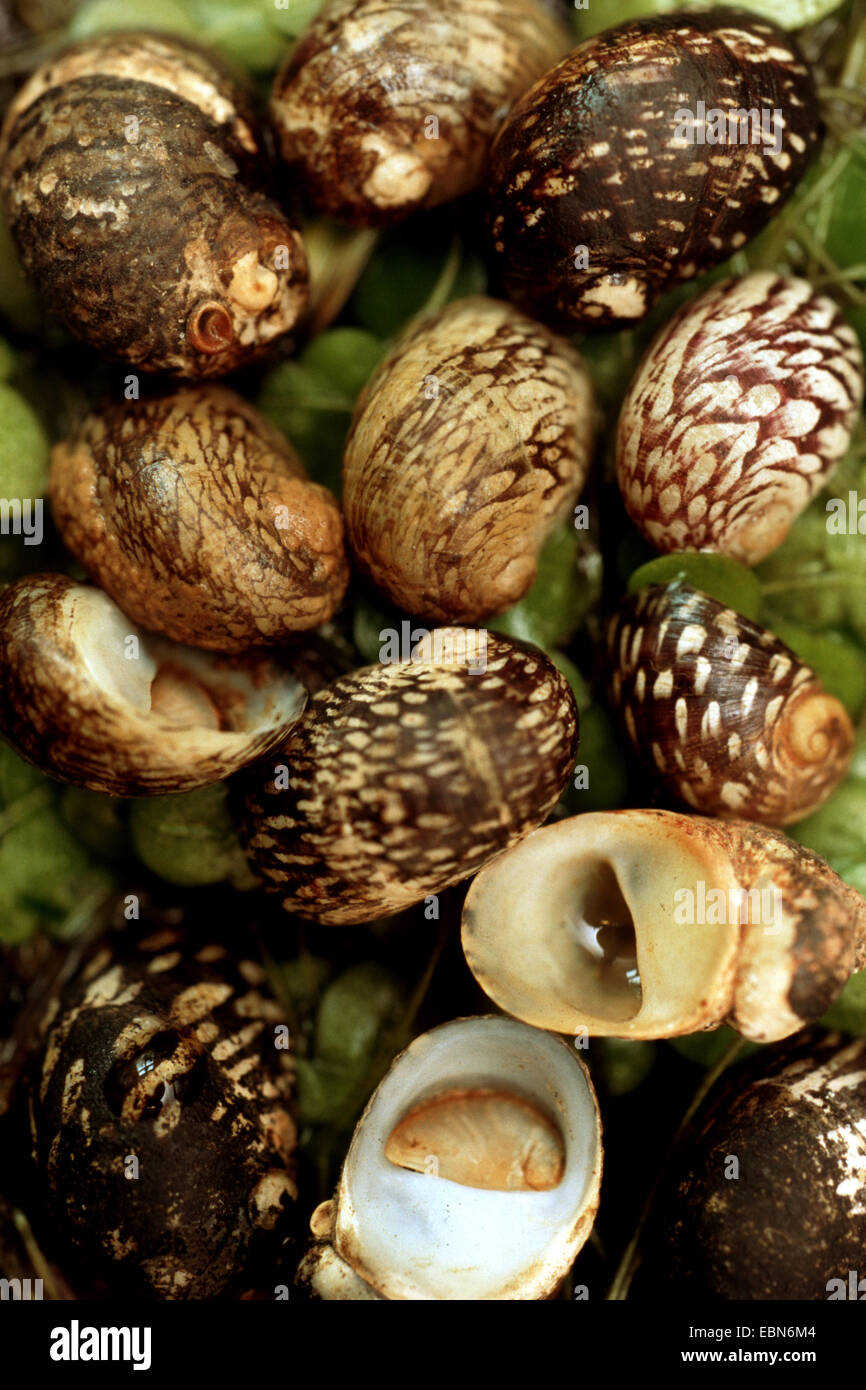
{"x":384,"y":107}
{"x":737,"y":416}
{"x":726,"y":714}
{"x":469,"y":444}
{"x":132,"y":176}
{"x":162,"y":1115}
{"x":195,"y":514}
{"x":90,"y":699}
{"x":793,"y":1225}
{"x":604,"y":189}
{"x":652,"y":924}
{"x":403,"y":778}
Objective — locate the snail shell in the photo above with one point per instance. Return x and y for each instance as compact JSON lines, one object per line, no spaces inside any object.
{"x":131,"y":173}
{"x":405,"y":778}
{"x":468,"y":446}
{"x":381,"y":108}
{"x":92,"y":700}
{"x":793,"y":1225}
{"x":195,"y":514}
{"x":473,"y":1173}
{"x":163,"y":1052}
{"x":738,"y":414}
{"x":726,"y":714}
{"x":599,"y":158}
{"x":650,"y":924}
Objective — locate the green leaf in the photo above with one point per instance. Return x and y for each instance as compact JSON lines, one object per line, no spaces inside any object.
{"x":723,"y":579}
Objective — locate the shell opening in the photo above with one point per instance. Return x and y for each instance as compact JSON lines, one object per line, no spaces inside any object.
{"x":608,"y":980}
{"x":181,"y":700}
{"x":209,"y":327}
{"x":489,"y":1139}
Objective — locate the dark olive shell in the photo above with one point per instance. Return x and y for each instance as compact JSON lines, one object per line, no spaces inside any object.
{"x":195,"y":514}
{"x":600,"y":195}
{"x":382,"y":109}
{"x":765,"y":1200}
{"x":162,"y":1117}
{"x":731,"y":719}
{"x":405,"y":778}
{"x":132,"y":176}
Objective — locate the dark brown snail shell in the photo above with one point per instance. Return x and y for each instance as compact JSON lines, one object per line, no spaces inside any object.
{"x":162,"y":1116}
{"x":132,"y":175}
{"x":726,"y":714}
{"x":600,"y":195}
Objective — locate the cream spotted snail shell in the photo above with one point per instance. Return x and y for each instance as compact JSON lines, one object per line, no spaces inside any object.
{"x":613,"y":178}
{"x":726,"y":714}
{"x":132,"y":176}
{"x":162,"y":1116}
{"x":405,"y":777}
{"x":737,"y":416}
{"x":196,"y":516}
{"x":651,"y":924}
{"x":468,"y":446}
{"x":384,"y":107}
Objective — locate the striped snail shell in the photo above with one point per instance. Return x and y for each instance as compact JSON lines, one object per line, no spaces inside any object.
{"x":737,"y":416}
{"x":405,"y":777}
{"x":162,"y":1115}
{"x":607,"y":181}
{"x":468,"y":446}
{"x":132,"y":174}
{"x":385,"y":108}
{"x":652,"y":924}
{"x":726,"y":714}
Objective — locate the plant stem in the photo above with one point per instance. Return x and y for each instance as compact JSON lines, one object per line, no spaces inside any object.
{"x":628,"y":1265}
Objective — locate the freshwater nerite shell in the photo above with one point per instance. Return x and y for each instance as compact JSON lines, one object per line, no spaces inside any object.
{"x":132,"y":175}
{"x":596,"y":156}
{"x":163,"y":1050}
{"x":767,"y":963}
{"x":404,"y":777}
{"x":400,"y":1234}
{"x":195,"y":514}
{"x":739,"y":412}
{"x":468,"y":446}
{"x":729,"y":718}
{"x":794,"y":1217}
{"x":354,"y":102}
{"x":77,"y":696}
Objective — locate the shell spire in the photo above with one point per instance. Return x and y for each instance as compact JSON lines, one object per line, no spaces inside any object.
{"x":722,"y":710}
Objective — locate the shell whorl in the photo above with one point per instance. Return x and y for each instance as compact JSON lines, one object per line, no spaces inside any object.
{"x":730,"y":718}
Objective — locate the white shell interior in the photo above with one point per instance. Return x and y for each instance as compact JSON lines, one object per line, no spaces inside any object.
{"x":219,"y":711}
{"x":416,"y":1235}
{"x":531,"y":934}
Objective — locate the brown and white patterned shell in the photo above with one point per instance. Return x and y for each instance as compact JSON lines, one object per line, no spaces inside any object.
{"x":89,"y":700}
{"x":470,"y":443}
{"x":405,"y":778}
{"x":733,"y":722}
{"x":132,"y":176}
{"x":793,"y":1225}
{"x":387,"y":106}
{"x":162,"y":1117}
{"x":737,"y":416}
{"x":195,"y":514}
{"x":599,"y":155}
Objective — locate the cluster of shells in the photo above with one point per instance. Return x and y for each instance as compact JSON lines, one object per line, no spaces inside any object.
{"x":475,"y":1169}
